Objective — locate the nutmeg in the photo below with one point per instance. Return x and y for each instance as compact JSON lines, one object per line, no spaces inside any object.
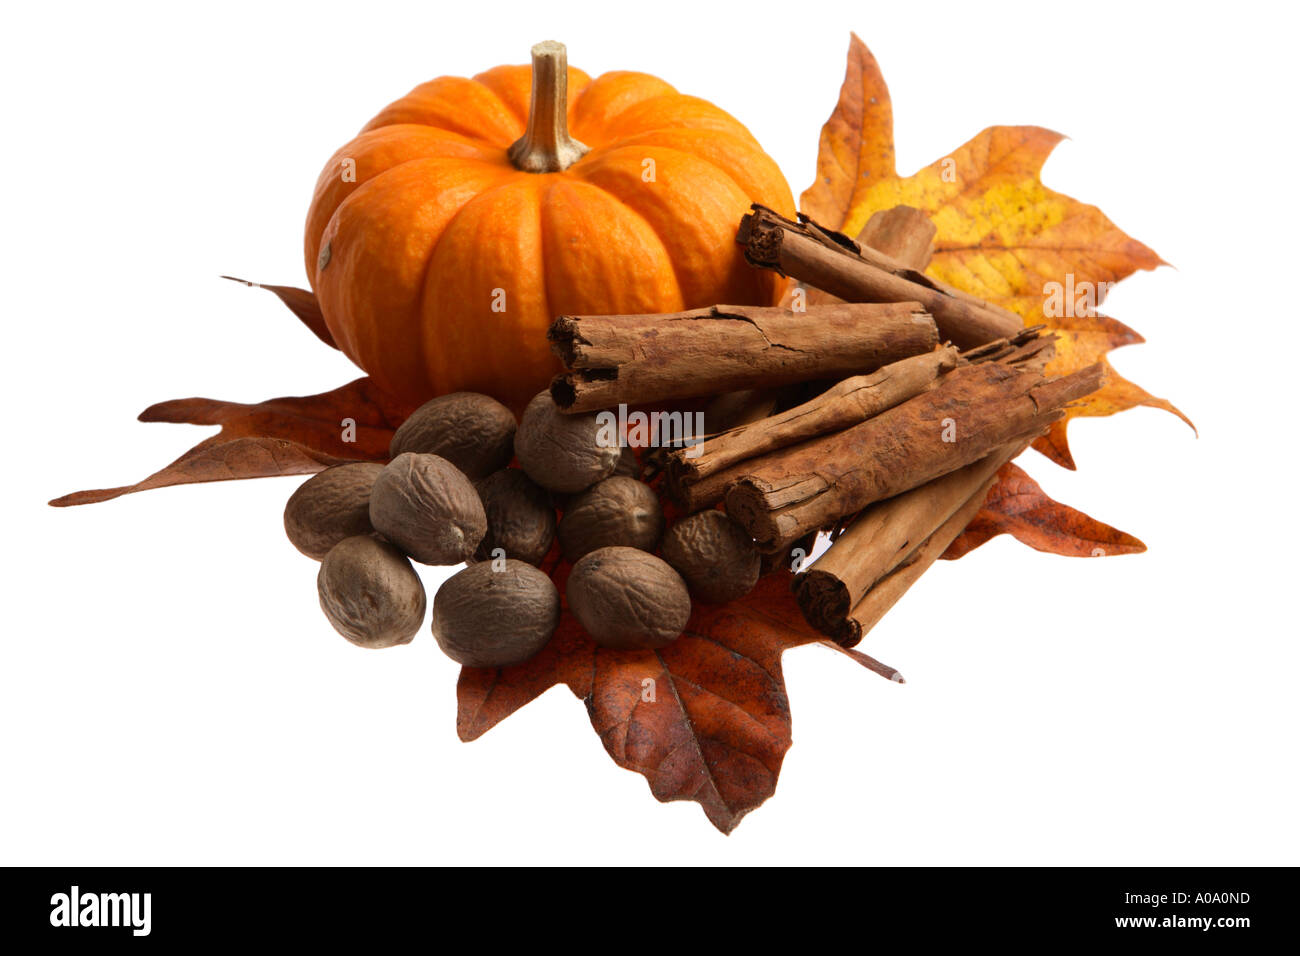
{"x":564,"y":453}
{"x":428,"y":508}
{"x":520,"y":517}
{"x":715,"y":555}
{"x":495,"y":616}
{"x":474,"y":432}
{"x":329,"y":506}
{"x":616,"y":511}
{"x":626,"y":599}
{"x":370,"y":592}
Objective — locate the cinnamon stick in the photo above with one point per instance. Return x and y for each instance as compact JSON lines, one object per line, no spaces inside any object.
{"x":837,"y":264}
{"x":636,"y":359}
{"x":851,"y":401}
{"x":705,"y":493}
{"x":735,"y":409}
{"x":902,"y":232}
{"x":867,"y":613}
{"x":701,"y":482}
{"x":969,"y":413}
{"x":1029,"y":349}
{"x":882,"y":537}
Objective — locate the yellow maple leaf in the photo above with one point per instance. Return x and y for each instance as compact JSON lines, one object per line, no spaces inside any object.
{"x":1001,"y":234}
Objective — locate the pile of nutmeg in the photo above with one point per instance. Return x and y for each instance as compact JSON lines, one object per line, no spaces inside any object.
{"x":449,"y":495}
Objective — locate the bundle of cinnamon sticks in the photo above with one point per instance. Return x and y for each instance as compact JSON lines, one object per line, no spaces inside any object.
{"x":880,"y":411}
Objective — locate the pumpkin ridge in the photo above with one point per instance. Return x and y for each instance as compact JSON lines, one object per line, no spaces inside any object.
{"x":366,"y":143}
{"x":683,"y":215}
{"x":522,"y":111}
{"x":507,"y":180}
{"x":461,"y":160}
{"x":424,"y":344}
{"x":651,"y":246}
{"x":740,"y":128}
{"x":347,"y":340}
{"x":673,"y":149}
{"x":512,"y":178}
{"x":543,"y":195}
{"x":596,"y":132}
{"x":504,"y":168}
{"x":668,"y":257}
{"x":449,"y":123}
{"x":476,"y":138}
{"x":350,"y":149}
{"x":523,"y":118}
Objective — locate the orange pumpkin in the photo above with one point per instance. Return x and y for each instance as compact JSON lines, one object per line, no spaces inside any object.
{"x":443,"y":240}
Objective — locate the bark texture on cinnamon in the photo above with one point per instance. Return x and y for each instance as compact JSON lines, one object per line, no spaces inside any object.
{"x":703,"y":493}
{"x":702,"y":481}
{"x":903,"y":233}
{"x":882,"y":537}
{"x":637,"y":359}
{"x":833,"y":262}
{"x":969,"y":413}
{"x":848,"y":403}
{"x":1029,"y":349}
{"x":867,"y":613}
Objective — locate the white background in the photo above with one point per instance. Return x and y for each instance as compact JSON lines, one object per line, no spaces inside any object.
{"x":169,"y":692}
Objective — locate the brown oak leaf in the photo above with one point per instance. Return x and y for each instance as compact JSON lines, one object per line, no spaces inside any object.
{"x":301,"y":303}
{"x":705,"y":718}
{"x":281,"y":436}
{"x":1017,"y":506}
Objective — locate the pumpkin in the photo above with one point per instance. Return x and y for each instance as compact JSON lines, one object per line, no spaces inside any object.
{"x":443,"y":240}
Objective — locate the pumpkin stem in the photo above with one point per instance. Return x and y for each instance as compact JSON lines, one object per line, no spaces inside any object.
{"x":547,"y":146}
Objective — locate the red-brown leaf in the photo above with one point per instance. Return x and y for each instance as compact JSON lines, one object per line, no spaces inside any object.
{"x":281,"y":436}
{"x":1017,"y":506}
{"x":301,"y":303}
{"x":718,"y":727}
{"x":486,"y":696}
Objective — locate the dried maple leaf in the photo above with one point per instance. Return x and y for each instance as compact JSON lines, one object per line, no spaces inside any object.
{"x":1017,"y":506}
{"x":1001,"y":234}
{"x":705,"y":718}
{"x":281,"y":436}
{"x":301,"y":303}
{"x":1080,"y":342}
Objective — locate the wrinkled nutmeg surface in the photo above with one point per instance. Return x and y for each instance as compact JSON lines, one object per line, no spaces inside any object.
{"x":495,"y":614}
{"x":474,"y":432}
{"x":329,"y":506}
{"x":625,"y":598}
{"x":715,"y":555}
{"x":520,"y":517}
{"x":563,"y":452}
{"x":370,"y":592}
{"x":616,"y":511}
{"x":427,"y":507}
